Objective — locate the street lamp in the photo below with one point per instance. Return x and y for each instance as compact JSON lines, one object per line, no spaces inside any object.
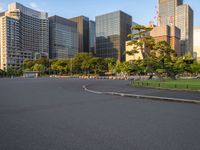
{"x":71,"y":68}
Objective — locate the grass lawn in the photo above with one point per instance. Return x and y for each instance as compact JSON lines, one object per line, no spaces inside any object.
{"x":190,"y":84}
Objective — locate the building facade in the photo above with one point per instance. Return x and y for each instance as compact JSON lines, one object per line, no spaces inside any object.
{"x":111,"y":34}
{"x":63,"y":37}
{"x":197,"y":43}
{"x":184,"y":21}
{"x":167,"y":11}
{"x":23,"y":34}
{"x":170,"y":34}
{"x":83,"y":31}
{"x":136,"y":56}
{"x":92,"y":31}
{"x":175,"y":13}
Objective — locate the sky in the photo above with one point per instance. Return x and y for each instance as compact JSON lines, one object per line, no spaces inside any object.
{"x":142,"y":11}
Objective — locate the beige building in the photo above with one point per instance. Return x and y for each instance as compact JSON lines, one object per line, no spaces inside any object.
{"x":136,"y":56}
{"x":24,"y":33}
{"x":197,"y":43}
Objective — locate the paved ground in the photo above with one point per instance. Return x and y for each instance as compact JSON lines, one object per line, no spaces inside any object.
{"x":57,"y":114}
{"x":124,"y":87}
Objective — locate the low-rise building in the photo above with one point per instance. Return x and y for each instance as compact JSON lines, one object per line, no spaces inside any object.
{"x":131,"y":57}
{"x":197,"y":43}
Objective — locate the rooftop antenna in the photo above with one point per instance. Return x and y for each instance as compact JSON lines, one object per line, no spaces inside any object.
{"x":157,"y":17}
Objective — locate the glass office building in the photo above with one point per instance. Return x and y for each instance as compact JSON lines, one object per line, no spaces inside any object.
{"x":92,"y":37}
{"x":111,"y":34}
{"x":83,"y":31}
{"x":63,"y":38}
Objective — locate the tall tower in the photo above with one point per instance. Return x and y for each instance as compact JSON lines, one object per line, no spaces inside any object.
{"x":111,"y":34}
{"x":24,"y":34}
{"x":92,"y":36}
{"x":83,"y":30}
{"x":63,"y":38}
{"x":184,"y":21}
{"x":175,"y":13}
{"x":167,"y":10}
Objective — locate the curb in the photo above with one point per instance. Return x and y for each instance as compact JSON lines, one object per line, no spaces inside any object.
{"x":143,"y":96}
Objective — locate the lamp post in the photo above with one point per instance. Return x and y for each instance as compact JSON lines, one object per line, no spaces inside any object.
{"x":71,"y":67}
{"x":49,"y":66}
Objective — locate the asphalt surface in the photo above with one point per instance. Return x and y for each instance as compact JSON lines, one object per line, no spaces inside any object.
{"x":57,"y":114}
{"x":124,"y":87}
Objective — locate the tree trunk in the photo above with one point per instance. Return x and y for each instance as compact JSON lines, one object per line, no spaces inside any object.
{"x":172,"y":75}
{"x":159,"y":76}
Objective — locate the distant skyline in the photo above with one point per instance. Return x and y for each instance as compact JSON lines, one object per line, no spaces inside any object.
{"x":142,"y":11}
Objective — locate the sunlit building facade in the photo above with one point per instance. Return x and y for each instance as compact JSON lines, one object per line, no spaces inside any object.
{"x":170,"y":34}
{"x":197,"y":43}
{"x":184,"y":21}
{"x":24,"y":33}
{"x":176,"y":13}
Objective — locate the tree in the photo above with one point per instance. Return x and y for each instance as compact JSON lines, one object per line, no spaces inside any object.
{"x":42,"y":61}
{"x":98,"y":65}
{"x":195,"y":68}
{"x":39,"y":67}
{"x":164,"y":58}
{"x":2,"y":73}
{"x":60,"y":66}
{"x":143,"y":42}
{"x":158,"y":57}
{"x":126,"y":68}
{"x":111,"y":62}
{"x":27,"y":65}
{"x":81,"y":62}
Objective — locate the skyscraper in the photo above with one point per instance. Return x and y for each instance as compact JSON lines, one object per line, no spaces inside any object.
{"x":83,"y":30}
{"x":63,"y":38}
{"x":175,"y":13}
{"x":184,"y":21}
{"x":112,"y":30}
{"x":167,"y":10}
{"x":92,"y":31}
{"x":24,"y":33}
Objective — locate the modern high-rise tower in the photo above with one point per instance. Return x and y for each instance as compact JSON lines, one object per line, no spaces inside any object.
{"x":112,"y":31}
{"x":63,"y":38}
{"x":184,"y":21}
{"x":24,"y":34}
{"x":83,"y":30}
{"x":92,"y":37}
{"x":175,"y":13}
{"x":167,"y":10}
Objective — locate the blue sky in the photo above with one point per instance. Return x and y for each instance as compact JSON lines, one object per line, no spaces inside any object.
{"x":142,"y":11}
